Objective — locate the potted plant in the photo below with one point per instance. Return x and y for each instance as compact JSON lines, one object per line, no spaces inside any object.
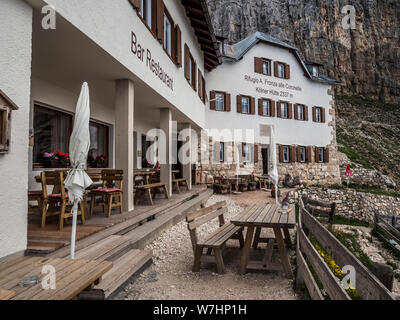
{"x":56,"y":160}
{"x":100,"y":162}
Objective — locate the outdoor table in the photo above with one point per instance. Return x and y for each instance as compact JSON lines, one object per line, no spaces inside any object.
{"x":266,"y":216}
{"x":143,"y":173}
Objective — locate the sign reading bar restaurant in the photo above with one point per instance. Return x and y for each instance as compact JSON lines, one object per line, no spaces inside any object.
{"x":145,"y":56}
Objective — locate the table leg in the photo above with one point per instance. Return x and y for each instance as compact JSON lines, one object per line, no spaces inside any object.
{"x":287,"y":238}
{"x":268,"y":253}
{"x":283,"y":252}
{"x":246,"y":250}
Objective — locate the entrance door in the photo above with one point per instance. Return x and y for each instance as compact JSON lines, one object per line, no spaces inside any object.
{"x":264,"y":153}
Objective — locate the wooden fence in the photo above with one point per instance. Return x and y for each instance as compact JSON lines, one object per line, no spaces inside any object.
{"x":367,"y":285}
{"x":387,"y":232}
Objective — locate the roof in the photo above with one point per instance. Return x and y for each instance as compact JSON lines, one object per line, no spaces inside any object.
{"x":8,"y":100}
{"x":236,"y":52}
{"x":197,"y":12}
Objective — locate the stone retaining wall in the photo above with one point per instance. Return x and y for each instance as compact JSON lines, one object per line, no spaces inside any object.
{"x":354,"y":204}
{"x":367,"y":177}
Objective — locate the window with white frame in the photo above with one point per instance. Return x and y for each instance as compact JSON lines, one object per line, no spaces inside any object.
{"x":302,"y":154}
{"x":246,"y":153}
{"x":286,"y":154}
{"x":315,"y":71}
{"x":266,"y":104}
{"x":145,"y":11}
{"x":221,"y":151}
{"x":167,"y":34}
{"x":281,"y":70}
{"x":219,"y":101}
{"x":300,"y":112}
{"x":284,"y":110}
{"x":321,"y":155}
{"x":245,"y":105}
{"x":318,"y":114}
{"x":267,"y":67}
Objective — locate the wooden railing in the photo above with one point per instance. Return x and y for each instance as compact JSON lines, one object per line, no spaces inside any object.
{"x":367,"y":285}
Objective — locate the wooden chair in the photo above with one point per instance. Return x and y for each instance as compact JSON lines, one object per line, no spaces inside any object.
{"x":316,"y":207}
{"x":177,"y":182}
{"x":150,"y":191}
{"x":56,"y":203}
{"x":221,"y":185}
{"x":110,"y":192}
{"x":215,"y":242}
{"x":35,"y":195}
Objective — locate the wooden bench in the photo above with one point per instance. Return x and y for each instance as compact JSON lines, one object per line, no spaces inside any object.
{"x":180,"y":182}
{"x":215,"y":242}
{"x":316,"y":207}
{"x":150,"y":190}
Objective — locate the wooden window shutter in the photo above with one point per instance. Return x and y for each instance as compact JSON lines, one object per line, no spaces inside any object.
{"x":154,"y":16}
{"x":293,"y":154}
{"x":278,"y":109}
{"x":272,"y":108}
{"x":187,"y":61}
{"x":308,"y":155}
{"x":287,"y":71}
{"x":252,"y":105}
{"x":227,"y":102}
{"x":160,"y":20}
{"x":305,"y":113}
{"x":314,"y":114}
{"x":212,"y":100}
{"x":199,"y":83}
{"x":135,"y":3}
{"x":290,"y":111}
{"x":256,"y":153}
{"x":326,"y":155}
{"x":258,"y":65}
{"x":239,"y":103}
{"x":194,"y":77}
{"x":296,"y":112}
{"x":178,"y":46}
{"x":316,"y":155}
{"x":323,"y":117}
{"x":260,"y":108}
{"x":276,"y":68}
{"x":281,"y":154}
{"x":298,"y":153}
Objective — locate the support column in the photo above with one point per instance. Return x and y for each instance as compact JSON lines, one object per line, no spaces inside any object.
{"x":187,"y":166}
{"x":124,"y":124}
{"x":166,"y":160}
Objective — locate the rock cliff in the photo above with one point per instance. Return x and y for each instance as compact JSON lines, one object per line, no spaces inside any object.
{"x":366,"y":59}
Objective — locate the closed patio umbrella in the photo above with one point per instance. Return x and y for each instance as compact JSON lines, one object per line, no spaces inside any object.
{"x":77,"y":179}
{"x":273,"y":172}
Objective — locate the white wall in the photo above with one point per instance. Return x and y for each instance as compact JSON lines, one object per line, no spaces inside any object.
{"x":230,"y":77}
{"x":110,"y":24}
{"x":15,"y":72}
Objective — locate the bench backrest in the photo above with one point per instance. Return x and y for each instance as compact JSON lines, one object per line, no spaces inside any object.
{"x":112,"y":178}
{"x":197,"y":218}
{"x":55,"y":179}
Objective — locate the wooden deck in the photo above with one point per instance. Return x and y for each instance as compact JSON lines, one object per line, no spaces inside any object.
{"x":72,"y":277}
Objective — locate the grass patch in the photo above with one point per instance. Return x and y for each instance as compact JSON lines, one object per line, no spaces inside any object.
{"x":352,"y":154}
{"x":361,"y":100}
{"x":342,"y":220}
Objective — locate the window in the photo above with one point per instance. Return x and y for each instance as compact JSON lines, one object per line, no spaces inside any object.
{"x":167,"y":34}
{"x":284,"y":110}
{"x":318,"y":114}
{"x":300,"y":112}
{"x":245,"y":105}
{"x":221,"y":151}
{"x":321,"y":157}
{"x":302,"y":154}
{"x":98,"y":141}
{"x":190,"y":68}
{"x":219,"y":101}
{"x":267,"y":67}
{"x":246,"y":152}
{"x":52,"y":130}
{"x":4,"y":128}
{"x":286,"y":154}
{"x":145,"y":11}
{"x":266,"y":105}
{"x":202,"y":87}
{"x":281,"y":70}
{"x":315,"y":71}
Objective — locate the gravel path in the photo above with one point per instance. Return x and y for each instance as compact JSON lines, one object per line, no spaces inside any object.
{"x":170,"y":276}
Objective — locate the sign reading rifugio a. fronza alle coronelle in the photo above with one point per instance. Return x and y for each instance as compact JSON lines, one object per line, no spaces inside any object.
{"x":145,"y":56}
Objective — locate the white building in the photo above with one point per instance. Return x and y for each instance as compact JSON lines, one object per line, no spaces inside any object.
{"x":148,"y":63}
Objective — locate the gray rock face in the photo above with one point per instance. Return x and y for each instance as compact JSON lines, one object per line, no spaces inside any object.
{"x":366,"y":59}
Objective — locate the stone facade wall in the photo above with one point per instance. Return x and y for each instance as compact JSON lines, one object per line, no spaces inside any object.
{"x":368,"y":177}
{"x":353,"y":204}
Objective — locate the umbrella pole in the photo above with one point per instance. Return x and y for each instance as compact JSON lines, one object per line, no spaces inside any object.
{"x":73,"y":233}
{"x":276,"y":193}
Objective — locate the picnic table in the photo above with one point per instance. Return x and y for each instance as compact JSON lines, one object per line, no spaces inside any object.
{"x":266,"y":216}
{"x":72,"y":277}
{"x":145,"y":174}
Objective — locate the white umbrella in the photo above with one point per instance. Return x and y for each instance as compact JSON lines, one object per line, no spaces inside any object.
{"x":237,"y":156}
{"x":273,"y":172}
{"x":77,"y":180}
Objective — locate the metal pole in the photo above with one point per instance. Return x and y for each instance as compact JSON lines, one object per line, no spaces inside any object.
{"x":73,"y":233}
{"x":276,"y":193}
